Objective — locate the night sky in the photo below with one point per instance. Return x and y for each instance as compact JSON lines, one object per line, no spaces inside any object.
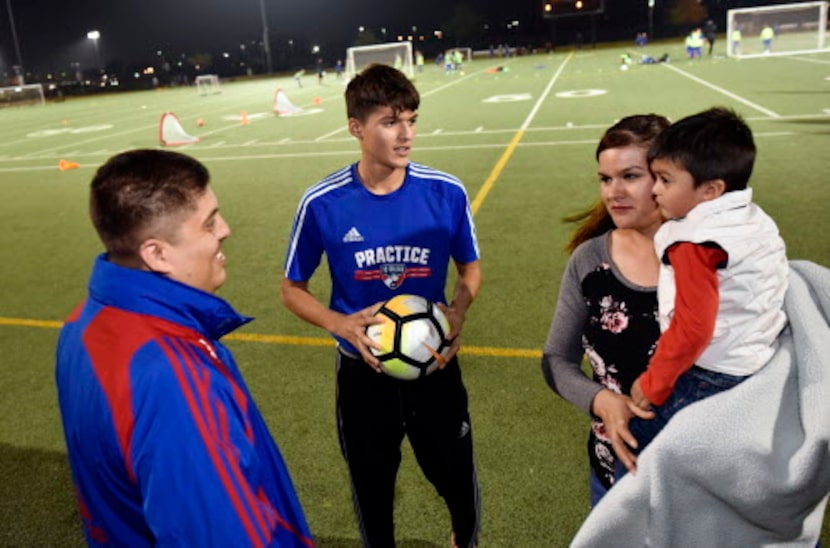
{"x":52,"y":33}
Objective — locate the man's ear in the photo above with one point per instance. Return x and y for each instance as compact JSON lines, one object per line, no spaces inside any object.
{"x":356,"y":128}
{"x":714,"y":189}
{"x":153,"y":253}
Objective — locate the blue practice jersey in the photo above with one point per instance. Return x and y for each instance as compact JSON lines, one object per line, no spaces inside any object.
{"x":378,"y":246}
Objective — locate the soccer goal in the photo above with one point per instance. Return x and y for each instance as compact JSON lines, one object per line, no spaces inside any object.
{"x":14,"y":96}
{"x":207,"y":84}
{"x":394,"y":54}
{"x":782,"y":29}
{"x":466,"y":54}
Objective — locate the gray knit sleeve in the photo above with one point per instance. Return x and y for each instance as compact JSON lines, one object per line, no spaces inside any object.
{"x":563,"y":350}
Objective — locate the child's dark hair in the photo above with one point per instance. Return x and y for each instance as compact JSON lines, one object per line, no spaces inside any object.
{"x":637,"y":130}
{"x":380,"y":86}
{"x":713,"y":144}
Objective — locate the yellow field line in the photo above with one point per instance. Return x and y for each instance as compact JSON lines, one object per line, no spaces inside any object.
{"x":467,"y":350}
{"x":494,"y":175}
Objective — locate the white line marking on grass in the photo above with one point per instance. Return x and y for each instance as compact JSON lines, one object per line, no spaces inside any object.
{"x":108,"y":137}
{"x":479,"y":129}
{"x":719,"y":89}
{"x":350,"y":152}
{"x":545,"y":94}
{"x":426,"y":94}
{"x":437,"y":131}
{"x":284,"y":141}
{"x":505,"y":157}
{"x":811,"y":60}
{"x":330,"y":133}
{"x":250,"y":143}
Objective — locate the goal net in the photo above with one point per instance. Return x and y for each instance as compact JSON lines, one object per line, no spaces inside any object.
{"x":782,"y":29}
{"x":13,"y":96}
{"x":466,"y":54}
{"x":207,"y":84}
{"x":394,"y":54}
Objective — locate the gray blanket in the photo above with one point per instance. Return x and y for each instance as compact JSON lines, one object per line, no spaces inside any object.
{"x":747,"y":467}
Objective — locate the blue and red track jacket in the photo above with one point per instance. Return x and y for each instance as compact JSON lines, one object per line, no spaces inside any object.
{"x":165,"y":442}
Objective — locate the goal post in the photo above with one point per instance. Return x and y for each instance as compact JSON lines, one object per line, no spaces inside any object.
{"x":781,"y":29}
{"x":466,"y":53}
{"x":29,"y":94}
{"x":207,"y":84}
{"x":394,"y":54}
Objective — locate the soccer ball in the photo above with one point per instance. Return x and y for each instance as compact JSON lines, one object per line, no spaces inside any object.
{"x":412,"y":337}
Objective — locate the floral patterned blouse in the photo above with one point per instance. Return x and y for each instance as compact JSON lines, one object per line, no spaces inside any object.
{"x":611,"y":321}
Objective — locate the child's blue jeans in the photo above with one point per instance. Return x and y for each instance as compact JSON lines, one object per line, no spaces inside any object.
{"x":694,"y":385}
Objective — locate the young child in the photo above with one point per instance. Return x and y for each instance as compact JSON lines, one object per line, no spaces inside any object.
{"x":723,"y":270}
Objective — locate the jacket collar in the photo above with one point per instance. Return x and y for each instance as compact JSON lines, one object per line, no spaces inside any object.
{"x":157,"y":295}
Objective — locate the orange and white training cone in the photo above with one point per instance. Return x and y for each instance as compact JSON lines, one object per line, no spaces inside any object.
{"x":66,"y":165}
{"x":244,"y":118}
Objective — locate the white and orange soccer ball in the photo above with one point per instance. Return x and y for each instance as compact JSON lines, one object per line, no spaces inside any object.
{"x":412,"y":337}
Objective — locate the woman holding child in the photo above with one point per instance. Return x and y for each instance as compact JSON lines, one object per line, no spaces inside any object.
{"x":607,"y":305}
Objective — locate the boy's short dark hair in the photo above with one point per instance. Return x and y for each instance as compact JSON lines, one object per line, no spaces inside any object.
{"x":380,"y":86}
{"x":135,"y":194}
{"x":713,"y":144}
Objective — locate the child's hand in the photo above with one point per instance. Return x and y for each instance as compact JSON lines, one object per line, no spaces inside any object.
{"x":640,"y":399}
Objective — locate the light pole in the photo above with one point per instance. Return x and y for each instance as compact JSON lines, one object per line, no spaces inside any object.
{"x":94,"y":35}
{"x":266,"y":46}
{"x":21,"y":76}
{"x":650,"y":19}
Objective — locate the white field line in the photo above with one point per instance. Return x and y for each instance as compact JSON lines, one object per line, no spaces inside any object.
{"x":125,"y":120}
{"x":350,"y":152}
{"x":811,"y":60}
{"x":726,"y":92}
{"x":287,"y":141}
{"x":425,"y":94}
{"x":544,"y":95}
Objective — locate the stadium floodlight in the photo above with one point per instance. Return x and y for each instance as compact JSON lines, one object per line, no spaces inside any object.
{"x":94,"y":35}
{"x":798,"y":28}
{"x":266,"y":43}
{"x":21,"y":79}
{"x":650,"y":19}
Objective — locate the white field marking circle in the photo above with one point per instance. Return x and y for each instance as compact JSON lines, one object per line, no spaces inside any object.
{"x":509,"y":98}
{"x":578,"y":93}
{"x":74,"y":131}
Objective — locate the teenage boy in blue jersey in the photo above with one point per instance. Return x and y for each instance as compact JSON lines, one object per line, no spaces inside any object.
{"x":165,"y":444}
{"x":390,"y":226}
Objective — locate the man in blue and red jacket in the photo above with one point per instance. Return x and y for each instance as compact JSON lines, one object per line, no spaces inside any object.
{"x":165,"y":442}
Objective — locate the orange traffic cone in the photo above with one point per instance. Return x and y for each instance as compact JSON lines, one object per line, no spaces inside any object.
{"x":244,"y":120}
{"x":316,"y":100}
{"x":65,"y":165}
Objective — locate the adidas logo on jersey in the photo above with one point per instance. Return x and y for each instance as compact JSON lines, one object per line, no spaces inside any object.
{"x":352,"y":236}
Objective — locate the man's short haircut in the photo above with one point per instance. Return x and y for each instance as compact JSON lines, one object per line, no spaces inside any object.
{"x":713,"y":144}
{"x":142,"y":193}
{"x":380,"y":86}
